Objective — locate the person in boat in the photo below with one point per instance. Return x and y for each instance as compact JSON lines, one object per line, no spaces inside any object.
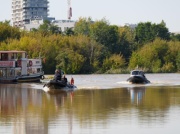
{"x":72,"y":81}
{"x":57,"y":76}
{"x":64,"y":79}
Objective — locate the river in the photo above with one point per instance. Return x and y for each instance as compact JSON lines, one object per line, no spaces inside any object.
{"x":101,"y":104}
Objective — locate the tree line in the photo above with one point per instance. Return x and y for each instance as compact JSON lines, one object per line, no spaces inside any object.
{"x":97,"y":46}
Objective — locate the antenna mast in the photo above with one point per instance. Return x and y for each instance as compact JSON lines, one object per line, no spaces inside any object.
{"x":69,"y":9}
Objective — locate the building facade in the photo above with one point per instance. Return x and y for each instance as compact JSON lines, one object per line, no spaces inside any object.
{"x":25,"y":11}
{"x":30,"y":14}
{"x":63,"y":25}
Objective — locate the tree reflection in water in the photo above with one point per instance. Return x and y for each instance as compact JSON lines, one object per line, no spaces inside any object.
{"x":29,"y":109}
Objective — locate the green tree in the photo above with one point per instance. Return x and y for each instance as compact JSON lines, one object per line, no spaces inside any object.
{"x":70,"y":61}
{"x":161,"y":31}
{"x":144,"y":33}
{"x":8,"y":32}
{"x":82,"y":26}
{"x":151,"y":56}
{"x":114,"y":62}
{"x":178,"y":61}
{"x":126,"y":40}
{"x":48,"y":28}
{"x":104,"y":34}
{"x":54,"y":29}
{"x":147,"y":32}
{"x":69,"y":32}
{"x":92,"y":52}
{"x":175,"y":37}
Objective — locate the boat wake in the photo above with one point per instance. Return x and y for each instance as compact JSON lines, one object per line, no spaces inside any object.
{"x":89,"y":87}
{"x":123,"y":82}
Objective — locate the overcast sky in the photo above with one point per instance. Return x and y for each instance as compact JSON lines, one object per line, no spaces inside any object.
{"x":117,"y":12}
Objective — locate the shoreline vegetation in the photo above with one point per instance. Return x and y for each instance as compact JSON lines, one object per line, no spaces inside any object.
{"x":96,"y":47}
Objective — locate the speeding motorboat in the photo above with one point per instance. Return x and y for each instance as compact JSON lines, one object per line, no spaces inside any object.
{"x":58,"y":86}
{"x":138,"y":77}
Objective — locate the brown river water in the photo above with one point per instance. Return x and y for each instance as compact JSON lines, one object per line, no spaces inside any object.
{"x":101,"y":104}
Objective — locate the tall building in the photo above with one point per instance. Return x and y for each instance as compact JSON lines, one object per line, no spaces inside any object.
{"x":25,"y":11}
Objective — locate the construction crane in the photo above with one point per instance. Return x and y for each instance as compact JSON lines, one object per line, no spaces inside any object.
{"x":69,"y":9}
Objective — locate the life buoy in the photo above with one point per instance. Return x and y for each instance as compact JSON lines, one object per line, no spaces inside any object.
{"x":19,"y":63}
{"x":30,"y":63}
{"x":42,"y":77}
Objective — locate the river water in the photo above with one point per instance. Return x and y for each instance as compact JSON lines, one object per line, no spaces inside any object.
{"x":101,"y":104}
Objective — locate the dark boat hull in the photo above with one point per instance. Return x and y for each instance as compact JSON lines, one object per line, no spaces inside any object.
{"x":21,"y":79}
{"x":8,"y":81}
{"x":138,"y":80}
{"x":30,"y":78}
{"x":58,"y":86}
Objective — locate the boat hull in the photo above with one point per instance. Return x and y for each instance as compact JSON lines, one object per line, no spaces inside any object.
{"x":8,"y":81}
{"x":138,"y":80}
{"x":21,"y":79}
{"x":30,"y":78}
{"x":58,"y":87}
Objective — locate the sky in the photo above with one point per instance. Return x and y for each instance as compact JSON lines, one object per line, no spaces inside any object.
{"x":117,"y":12}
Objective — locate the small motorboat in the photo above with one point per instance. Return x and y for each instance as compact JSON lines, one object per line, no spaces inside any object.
{"x":54,"y":86}
{"x":138,"y":77}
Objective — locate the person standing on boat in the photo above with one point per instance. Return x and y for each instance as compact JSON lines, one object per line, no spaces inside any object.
{"x":72,"y":81}
{"x":57,"y":76}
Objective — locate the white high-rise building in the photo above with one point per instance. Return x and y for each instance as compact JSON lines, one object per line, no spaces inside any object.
{"x":24,"y":11}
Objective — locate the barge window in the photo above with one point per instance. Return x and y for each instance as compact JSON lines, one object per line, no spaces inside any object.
{"x":1,"y":73}
{"x":4,"y":56}
{"x":14,"y":56}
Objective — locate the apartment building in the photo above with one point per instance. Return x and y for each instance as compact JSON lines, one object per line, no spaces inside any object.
{"x":25,"y":11}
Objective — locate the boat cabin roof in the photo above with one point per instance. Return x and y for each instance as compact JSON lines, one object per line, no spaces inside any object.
{"x":137,"y":72}
{"x":12,"y":54}
{"x":13,"y":51}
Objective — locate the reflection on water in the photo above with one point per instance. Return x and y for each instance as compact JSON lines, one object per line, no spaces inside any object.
{"x":140,"y":109}
{"x":137,"y":94}
{"x":27,"y":111}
